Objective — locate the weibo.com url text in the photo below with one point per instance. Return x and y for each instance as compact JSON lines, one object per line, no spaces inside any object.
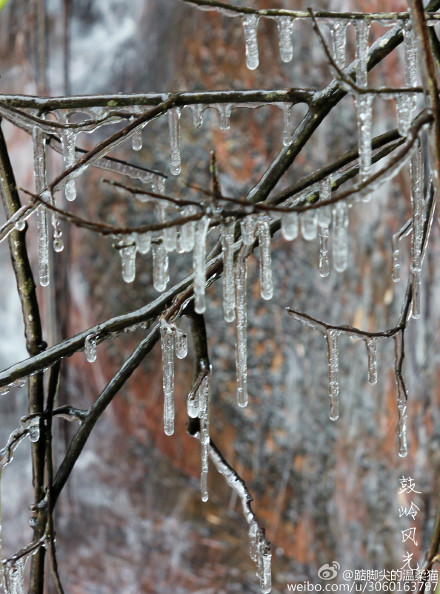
{"x":405,"y":586}
{"x":367,"y":586}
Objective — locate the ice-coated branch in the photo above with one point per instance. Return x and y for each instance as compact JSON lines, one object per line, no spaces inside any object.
{"x":332,"y":332}
{"x":107,"y":329}
{"x":106,"y":228}
{"x":229,"y":9}
{"x":180,"y":99}
{"x":259,"y":545}
{"x":349,"y":330}
{"x":325,"y":101}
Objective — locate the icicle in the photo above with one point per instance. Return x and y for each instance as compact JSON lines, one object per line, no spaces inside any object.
{"x":285,"y":32}
{"x":289,"y":225}
{"x":69,"y":152}
{"x":185,"y":241}
{"x":14,"y":576}
{"x":204,"y":436}
{"x":90,"y":348}
{"x":167,"y":343}
{"x":364,"y":104}
{"x":266,"y":571}
{"x":241,"y":330}
{"x":197,"y":115}
{"x":39,"y":145}
{"x":339,"y":38}
{"x":58,"y":244}
{"x":160,"y":267}
{"x":324,"y":221}
{"x":362,"y":31}
{"x":340,"y":243}
{"x":199,"y":258}
{"x":43,"y":246}
{"x":136,"y":140}
{"x":169,"y":234}
{"x":181,"y":344}
{"x":396,"y":260}
{"x":18,"y":383}
{"x":143,"y":242}
{"x":227,"y":238}
{"x":266,"y":286}
{"x":309,"y":224}
{"x":287,"y":124}
{"x":192,"y":404}
{"x":253,"y":530}
{"x":175,"y":160}
{"x":333,"y":372}
{"x":204,"y":398}
{"x":169,"y":238}
{"x":401,"y":401}
{"x":248,"y":226}
{"x":128,"y":261}
{"x":417,"y":187}
{"x":250,"y":24}
{"x":410,"y":55}
{"x":224,"y":112}
{"x":372,"y":360}
{"x":406,"y":103}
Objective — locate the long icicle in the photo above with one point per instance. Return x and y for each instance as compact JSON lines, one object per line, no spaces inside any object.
{"x":69,"y":153}
{"x":39,"y":145}
{"x":241,"y":328}
{"x":417,"y":183}
{"x":339,"y":38}
{"x":372,"y":359}
{"x":340,"y":240}
{"x":175,"y":159}
{"x":160,"y":267}
{"x":333,"y":372}
{"x":266,"y":285}
{"x":364,"y":105}
{"x":199,"y":262}
{"x":204,"y":399}
{"x":362,"y":31}
{"x":227,"y":238}
{"x":167,"y":343}
{"x":406,"y":103}
{"x":324,"y":222}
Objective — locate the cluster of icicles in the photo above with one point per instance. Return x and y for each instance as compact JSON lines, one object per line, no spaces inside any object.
{"x":12,"y":570}
{"x":192,"y":237}
{"x":406,"y":103}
